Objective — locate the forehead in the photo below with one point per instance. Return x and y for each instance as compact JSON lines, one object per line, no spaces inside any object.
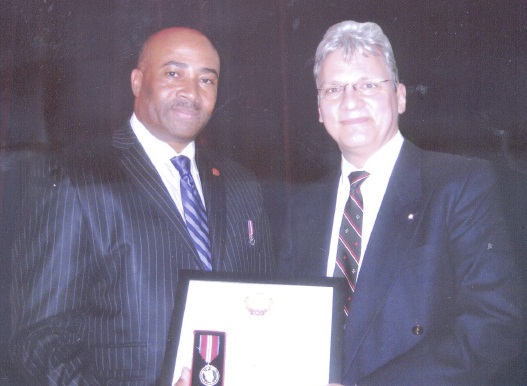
{"x":359,"y":65}
{"x":187,"y":48}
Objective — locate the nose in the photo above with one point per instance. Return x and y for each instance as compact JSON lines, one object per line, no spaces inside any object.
{"x":351,"y":98}
{"x":188,"y":89}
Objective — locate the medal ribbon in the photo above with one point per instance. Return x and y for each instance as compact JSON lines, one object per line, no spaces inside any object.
{"x":209,"y":347}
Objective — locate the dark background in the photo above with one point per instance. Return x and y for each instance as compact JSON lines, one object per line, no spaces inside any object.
{"x":65,"y":69}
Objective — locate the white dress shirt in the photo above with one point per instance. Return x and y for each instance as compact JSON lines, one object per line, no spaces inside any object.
{"x":160,"y":153}
{"x":380,"y":167}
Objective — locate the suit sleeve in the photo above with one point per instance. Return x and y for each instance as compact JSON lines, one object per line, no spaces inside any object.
{"x":484,"y":329}
{"x":51,"y":268}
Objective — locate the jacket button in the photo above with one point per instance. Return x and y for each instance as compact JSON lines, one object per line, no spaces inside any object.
{"x":417,"y":329}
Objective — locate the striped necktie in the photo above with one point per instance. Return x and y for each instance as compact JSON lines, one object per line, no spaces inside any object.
{"x":350,"y":236}
{"x":195,"y":215}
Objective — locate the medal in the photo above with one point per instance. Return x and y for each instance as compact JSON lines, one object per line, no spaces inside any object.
{"x":209,"y":348}
{"x":209,"y":375}
{"x":208,"y":358}
{"x":250,"y":232}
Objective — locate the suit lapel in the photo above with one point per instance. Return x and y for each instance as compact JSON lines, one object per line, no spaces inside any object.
{"x":136,"y":165}
{"x":213,"y":186}
{"x":394,"y":225}
{"x":314,"y":261}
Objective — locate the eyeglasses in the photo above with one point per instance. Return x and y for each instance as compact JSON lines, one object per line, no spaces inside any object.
{"x":365,"y":88}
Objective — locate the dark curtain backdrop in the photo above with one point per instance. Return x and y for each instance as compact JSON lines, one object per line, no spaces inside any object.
{"x":65,"y":69}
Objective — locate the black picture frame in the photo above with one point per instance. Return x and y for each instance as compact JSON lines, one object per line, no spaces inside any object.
{"x":332,"y":291}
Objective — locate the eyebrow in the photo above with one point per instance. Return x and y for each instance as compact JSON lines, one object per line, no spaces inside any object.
{"x":185,"y":65}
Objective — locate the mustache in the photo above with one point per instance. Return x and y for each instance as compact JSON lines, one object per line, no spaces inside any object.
{"x":186,"y":104}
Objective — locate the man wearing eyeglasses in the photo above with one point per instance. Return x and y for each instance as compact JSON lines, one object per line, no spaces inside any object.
{"x":434,"y":297}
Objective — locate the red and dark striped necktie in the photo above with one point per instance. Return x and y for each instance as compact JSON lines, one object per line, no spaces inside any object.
{"x":350,"y":236}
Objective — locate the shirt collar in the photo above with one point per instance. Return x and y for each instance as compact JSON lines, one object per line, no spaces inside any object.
{"x":155,"y":148}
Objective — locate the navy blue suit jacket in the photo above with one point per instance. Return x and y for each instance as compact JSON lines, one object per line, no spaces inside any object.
{"x":96,"y":264}
{"x":438,"y":298}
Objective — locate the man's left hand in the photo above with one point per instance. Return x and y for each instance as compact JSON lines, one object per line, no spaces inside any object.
{"x":184,"y":379}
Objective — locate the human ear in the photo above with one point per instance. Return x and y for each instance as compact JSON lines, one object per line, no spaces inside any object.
{"x":401,"y":98}
{"x":136,"y":80}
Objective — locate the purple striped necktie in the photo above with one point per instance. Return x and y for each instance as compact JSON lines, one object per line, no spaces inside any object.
{"x":195,"y":215}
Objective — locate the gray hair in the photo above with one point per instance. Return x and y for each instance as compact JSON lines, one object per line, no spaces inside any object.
{"x":352,"y":36}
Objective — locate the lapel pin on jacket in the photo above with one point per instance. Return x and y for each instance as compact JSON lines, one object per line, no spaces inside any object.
{"x":215,"y":172}
{"x":250,"y":232}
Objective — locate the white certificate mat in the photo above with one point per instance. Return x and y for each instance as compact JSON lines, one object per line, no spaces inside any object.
{"x":276,"y":333}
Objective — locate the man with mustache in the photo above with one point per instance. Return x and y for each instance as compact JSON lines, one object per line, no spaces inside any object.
{"x":96,"y":265}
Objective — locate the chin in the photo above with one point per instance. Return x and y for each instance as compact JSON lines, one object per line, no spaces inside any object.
{"x":355,"y":142}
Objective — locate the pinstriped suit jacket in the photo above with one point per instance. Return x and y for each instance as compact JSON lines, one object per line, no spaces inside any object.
{"x":96,"y":264}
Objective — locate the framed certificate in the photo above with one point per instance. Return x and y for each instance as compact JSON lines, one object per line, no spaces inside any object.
{"x":235,"y":330}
